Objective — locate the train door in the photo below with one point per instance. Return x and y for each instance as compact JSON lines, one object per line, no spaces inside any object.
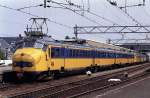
{"x":63,"y":54}
{"x":57,"y":58}
{"x":49,"y":57}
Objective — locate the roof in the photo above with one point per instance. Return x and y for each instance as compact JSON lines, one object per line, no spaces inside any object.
{"x":3,"y":44}
{"x":9,"y":40}
{"x":108,"y":46}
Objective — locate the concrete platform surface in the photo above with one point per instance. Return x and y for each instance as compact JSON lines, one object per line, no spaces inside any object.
{"x":138,"y":89}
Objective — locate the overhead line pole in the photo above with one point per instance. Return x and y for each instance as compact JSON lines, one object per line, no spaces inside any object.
{"x":108,"y":29}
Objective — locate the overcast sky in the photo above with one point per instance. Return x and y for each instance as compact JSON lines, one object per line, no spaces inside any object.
{"x":13,"y":22}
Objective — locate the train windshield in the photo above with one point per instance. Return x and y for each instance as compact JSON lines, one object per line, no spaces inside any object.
{"x":28,"y":44}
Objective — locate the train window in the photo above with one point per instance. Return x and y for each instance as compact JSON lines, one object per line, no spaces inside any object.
{"x":108,"y":55}
{"x":100,"y":54}
{"x":86,"y":54}
{"x":73,"y":53}
{"x":83,"y":54}
{"x":38,"y":45}
{"x":44,"y":47}
{"x":91,"y":54}
{"x":97,"y":54}
{"x":62,"y":52}
{"x":117,"y":55}
{"x":94,"y":55}
{"x":76,"y":53}
{"x":104,"y":54}
{"x":80,"y":53}
{"x":66,"y":54}
{"x":52,"y":52}
{"x":113,"y":55}
{"x":70,"y":53}
{"x":57,"y":52}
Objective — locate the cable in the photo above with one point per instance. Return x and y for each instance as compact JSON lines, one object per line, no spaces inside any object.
{"x":36,"y":16}
{"x":106,"y":19}
{"x":133,"y":19}
{"x":60,"y":4}
{"x":30,"y":6}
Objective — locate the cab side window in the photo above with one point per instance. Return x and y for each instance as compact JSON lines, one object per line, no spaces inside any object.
{"x":52,"y":52}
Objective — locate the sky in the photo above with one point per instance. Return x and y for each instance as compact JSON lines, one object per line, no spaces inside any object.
{"x":13,"y":23}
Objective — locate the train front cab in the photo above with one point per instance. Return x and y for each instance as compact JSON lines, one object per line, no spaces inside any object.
{"x":28,"y":63}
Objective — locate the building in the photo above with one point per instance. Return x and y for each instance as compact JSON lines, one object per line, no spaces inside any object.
{"x":6,"y":46}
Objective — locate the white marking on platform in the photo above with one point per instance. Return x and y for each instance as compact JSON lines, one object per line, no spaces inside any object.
{"x":114,"y":80}
{"x":118,"y":89}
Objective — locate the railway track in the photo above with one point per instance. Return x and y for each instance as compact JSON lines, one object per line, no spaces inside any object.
{"x":74,"y":88}
{"x":86,"y":88}
{"x":90,"y":89}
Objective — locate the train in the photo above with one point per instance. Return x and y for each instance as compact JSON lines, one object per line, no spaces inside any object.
{"x":35,"y":59}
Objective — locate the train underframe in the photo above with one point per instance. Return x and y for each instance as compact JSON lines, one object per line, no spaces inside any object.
{"x":13,"y":76}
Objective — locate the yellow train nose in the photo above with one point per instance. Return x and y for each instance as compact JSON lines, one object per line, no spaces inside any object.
{"x":28,"y":56}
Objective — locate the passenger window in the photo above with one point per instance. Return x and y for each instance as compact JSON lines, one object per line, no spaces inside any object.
{"x":57,"y":52}
{"x":62,"y":52}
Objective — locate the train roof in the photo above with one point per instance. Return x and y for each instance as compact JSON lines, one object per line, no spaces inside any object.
{"x":81,"y":43}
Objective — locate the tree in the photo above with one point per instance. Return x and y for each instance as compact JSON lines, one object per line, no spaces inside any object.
{"x":1,"y":55}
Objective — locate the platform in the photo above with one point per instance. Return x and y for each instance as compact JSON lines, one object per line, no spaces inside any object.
{"x":4,"y":68}
{"x":138,"y":89}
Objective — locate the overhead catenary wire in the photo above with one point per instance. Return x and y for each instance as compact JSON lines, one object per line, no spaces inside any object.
{"x":69,"y":27}
{"x":30,"y":6}
{"x":131,"y":17}
{"x":63,"y":6}
{"x":60,"y":4}
{"x":106,"y":19}
{"x":128,"y":15}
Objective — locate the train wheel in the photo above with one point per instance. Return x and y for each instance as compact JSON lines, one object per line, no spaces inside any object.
{"x":55,"y":75}
{"x":9,"y":77}
{"x":95,"y":69}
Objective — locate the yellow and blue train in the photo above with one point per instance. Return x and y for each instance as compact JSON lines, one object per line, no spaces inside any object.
{"x":40,"y":58}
